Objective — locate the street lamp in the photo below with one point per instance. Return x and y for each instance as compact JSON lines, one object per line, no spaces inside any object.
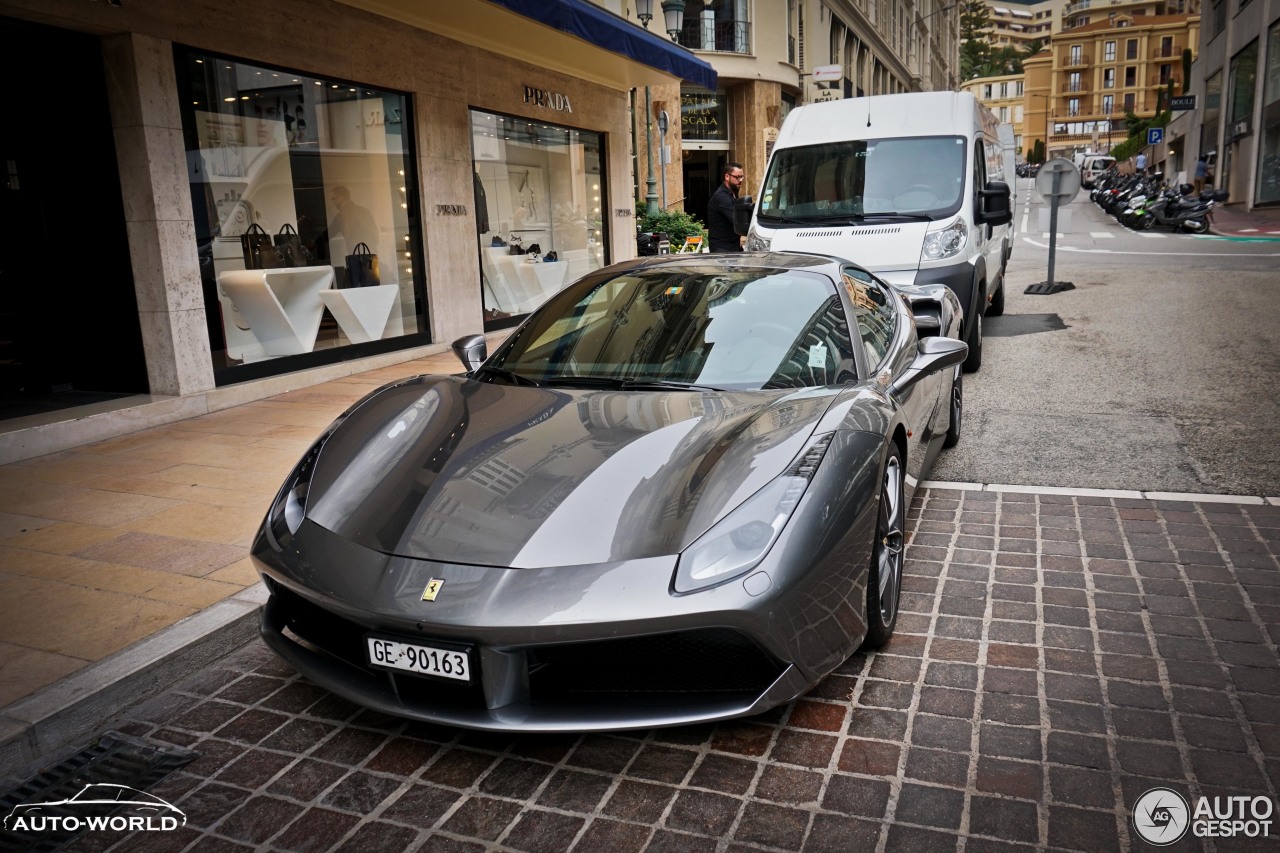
{"x":644,"y":11}
{"x":673,"y":14}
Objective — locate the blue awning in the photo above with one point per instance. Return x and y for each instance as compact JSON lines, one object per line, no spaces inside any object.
{"x":611,"y":32}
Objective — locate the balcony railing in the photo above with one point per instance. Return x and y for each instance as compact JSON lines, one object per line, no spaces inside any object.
{"x":725,"y":36}
{"x":1073,"y":87}
{"x":1166,"y":52}
{"x":1078,"y":60}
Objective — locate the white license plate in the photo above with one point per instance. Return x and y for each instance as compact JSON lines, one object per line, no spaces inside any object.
{"x":423,"y":660}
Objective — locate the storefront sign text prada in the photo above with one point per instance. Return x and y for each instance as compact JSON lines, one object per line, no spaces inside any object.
{"x":546,"y":99}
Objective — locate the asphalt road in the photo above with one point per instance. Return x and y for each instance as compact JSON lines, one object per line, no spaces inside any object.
{"x":1158,"y":372}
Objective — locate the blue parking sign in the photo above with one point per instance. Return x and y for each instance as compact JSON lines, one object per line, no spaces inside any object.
{"x":1155,"y":135}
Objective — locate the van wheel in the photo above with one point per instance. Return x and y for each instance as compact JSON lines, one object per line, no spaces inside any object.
{"x":974,"y":360}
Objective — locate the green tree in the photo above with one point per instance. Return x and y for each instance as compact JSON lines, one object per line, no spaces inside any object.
{"x":975,"y":51}
{"x":1037,"y":152}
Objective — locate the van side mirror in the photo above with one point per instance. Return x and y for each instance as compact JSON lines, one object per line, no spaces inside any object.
{"x":996,"y":208}
{"x":742,"y":215}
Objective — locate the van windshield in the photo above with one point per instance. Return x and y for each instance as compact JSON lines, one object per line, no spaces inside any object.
{"x":915,"y":177}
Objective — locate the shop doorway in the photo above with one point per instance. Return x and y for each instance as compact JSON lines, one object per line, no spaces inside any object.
{"x":69,"y":329}
{"x":701,"y":175}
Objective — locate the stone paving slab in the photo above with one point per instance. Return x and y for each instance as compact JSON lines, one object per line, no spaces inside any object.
{"x":1056,"y":657}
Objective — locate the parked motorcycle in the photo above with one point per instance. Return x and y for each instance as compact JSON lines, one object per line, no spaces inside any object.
{"x":1177,"y":209}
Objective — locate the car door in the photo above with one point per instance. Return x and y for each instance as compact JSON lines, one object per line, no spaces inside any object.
{"x":991,"y":244}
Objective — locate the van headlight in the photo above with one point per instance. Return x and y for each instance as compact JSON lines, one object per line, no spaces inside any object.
{"x":946,"y":242}
{"x":739,"y":541}
{"x":757,"y":242}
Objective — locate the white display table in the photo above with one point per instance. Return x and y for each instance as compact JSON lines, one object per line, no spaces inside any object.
{"x":283,"y":307}
{"x":362,"y":312}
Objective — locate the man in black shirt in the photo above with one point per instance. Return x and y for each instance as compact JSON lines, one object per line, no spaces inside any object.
{"x":720,"y":211}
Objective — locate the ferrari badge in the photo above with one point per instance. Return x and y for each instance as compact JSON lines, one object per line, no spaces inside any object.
{"x":433,"y":589}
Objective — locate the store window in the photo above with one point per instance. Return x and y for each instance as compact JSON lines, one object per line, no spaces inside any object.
{"x":1268,"y":189}
{"x":304,"y":197}
{"x":539,"y":197}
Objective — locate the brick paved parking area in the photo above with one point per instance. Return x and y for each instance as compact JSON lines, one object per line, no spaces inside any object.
{"x":1056,"y":657}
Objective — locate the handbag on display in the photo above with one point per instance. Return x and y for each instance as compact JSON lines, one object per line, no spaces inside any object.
{"x":289,"y":246}
{"x":259,"y":251}
{"x":362,"y":267}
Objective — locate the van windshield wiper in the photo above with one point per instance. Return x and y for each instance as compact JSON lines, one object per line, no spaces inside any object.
{"x":893,"y":214}
{"x":774,"y":217}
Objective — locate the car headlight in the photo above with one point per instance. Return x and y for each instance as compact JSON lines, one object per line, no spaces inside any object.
{"x":946,"y":242}
{"x":757,"y":242}
{"x":290,"y":506}
{"x":742,"y":538}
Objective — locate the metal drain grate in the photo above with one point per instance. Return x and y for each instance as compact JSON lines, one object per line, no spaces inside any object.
{"x":99,"y":781}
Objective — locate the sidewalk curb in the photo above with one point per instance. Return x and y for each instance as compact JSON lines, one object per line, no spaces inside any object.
{"x":38,"y":727}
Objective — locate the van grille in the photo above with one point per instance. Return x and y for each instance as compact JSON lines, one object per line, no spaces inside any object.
{"x":830,"y":233}
{"x":871,"y":232}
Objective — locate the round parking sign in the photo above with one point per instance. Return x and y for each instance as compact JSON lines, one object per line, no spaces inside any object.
{"x":1060,"y":178}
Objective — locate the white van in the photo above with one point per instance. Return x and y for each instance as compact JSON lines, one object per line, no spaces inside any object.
{"x":910,"y":186}
{"x":1092,"y":166}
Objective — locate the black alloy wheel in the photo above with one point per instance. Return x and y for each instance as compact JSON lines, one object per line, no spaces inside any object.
{"x":884,"y":581}
{"x":957,"y":411}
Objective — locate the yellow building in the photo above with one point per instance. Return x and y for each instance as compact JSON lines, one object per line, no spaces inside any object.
{"x":1003,"y":96}
{"x":1078,"y":90}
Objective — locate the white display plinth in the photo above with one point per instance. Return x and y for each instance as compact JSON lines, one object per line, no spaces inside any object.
{"x":283,"y":307}
{"x":362,"y":312}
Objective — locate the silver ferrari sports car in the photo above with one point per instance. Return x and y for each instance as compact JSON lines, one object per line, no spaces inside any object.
{"x":675,"y":493}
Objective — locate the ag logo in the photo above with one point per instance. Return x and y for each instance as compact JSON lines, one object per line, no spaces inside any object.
{"x":1161,"y":816}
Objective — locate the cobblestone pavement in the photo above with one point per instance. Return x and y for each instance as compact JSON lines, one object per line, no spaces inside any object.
{"x":1056,"y":657}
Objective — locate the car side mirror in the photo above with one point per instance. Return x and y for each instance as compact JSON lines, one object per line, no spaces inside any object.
{"x":932,"y":354}
{"x":471,"y":350}
{"x":996,"y":208}
{"x":742,"y":209}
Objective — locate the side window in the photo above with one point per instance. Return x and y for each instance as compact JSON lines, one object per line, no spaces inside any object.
{"x":874,"y":310}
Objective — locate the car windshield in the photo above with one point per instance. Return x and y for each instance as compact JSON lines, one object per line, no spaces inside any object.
{"x":700,"y":327}
{"x":918,"y":177}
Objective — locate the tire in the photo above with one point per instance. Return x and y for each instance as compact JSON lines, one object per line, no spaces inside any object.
{"x":974,"y":360}
{"x":957,"y":412}
{"x":884,"y":575}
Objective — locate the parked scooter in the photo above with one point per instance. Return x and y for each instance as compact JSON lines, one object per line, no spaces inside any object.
{"x":1177,"y":209}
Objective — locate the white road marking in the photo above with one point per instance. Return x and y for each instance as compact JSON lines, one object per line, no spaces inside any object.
{"x":1102,"y":235}
{"x":1253,"y":500}
{"x":1175,"y":254}
{"x":1150,"y":236}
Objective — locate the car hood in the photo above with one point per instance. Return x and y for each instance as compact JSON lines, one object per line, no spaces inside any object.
{"x":889,"y":246}
{"x":448,"y":469}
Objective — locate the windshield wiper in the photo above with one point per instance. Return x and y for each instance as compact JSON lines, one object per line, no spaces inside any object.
{"x":893,"y":214}
{"x":509,"y":375}
{"x":775,"y":217}
{"x":622,"y":384}
{"x":647,"y":384}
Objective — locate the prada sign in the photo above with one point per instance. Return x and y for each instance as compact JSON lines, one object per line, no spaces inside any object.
{"x":547,"y":99}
